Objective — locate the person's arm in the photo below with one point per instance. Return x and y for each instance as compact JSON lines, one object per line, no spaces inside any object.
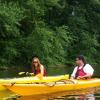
{"x":73,"y":73}
{"x":85,"y":76}
{"x":42,"y":70}
{"x":88,"y":70}
{"x":41,"y":74}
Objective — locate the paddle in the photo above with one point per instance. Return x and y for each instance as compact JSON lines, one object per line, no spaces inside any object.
{"x":40,"y":76}
{"x":21,"y":73}
{"x":26,"y":73}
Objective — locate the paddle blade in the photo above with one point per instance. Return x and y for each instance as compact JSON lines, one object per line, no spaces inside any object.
{"x":21,"y":73}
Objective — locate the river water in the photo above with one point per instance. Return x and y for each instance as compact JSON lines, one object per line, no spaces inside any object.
{"x":88,"y":94}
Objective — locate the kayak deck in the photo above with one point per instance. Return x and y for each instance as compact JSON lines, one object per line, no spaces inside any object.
{"x":34,"y":79}
{"x":52,"y":87}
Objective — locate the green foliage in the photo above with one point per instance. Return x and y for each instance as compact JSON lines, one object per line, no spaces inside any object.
{"x":54,"y":30}
{"x":10,"y":16}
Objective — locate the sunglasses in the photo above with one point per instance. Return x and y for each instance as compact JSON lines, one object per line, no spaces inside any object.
{"x":35,"y":62}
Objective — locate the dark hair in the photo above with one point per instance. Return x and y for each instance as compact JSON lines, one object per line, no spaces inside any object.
{"x":81,"y":57}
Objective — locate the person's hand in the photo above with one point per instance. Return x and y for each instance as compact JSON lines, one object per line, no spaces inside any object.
{"x":40,"y":76}
{"x":29,"y":74}
{"x":80,"y":77}
{"x":72,"y":78}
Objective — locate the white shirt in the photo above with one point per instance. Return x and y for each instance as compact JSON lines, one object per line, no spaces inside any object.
{"x":87,"y":69}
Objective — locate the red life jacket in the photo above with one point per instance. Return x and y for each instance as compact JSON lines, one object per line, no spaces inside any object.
{"x":37,"y":71}
{"x":80,"y":72}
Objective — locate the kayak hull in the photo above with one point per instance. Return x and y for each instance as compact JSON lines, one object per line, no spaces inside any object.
{"x":2,"y":88}
{"x":48,"y":88}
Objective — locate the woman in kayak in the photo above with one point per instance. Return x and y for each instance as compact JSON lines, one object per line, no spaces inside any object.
{"x":82,"y":70}
{"x":37,"y":67}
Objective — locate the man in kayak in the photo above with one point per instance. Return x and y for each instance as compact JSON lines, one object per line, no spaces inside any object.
{"x":82,"y":70}
{"x":37,"y":67}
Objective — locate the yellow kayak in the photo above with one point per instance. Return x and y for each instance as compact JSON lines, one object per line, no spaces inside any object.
{"x":52,"y":87}
{"x":34,"y":79}
{"x":2,"y":88}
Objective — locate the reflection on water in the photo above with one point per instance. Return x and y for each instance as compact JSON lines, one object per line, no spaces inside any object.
{"x":69,"y":97}
{"x":85,"y":97}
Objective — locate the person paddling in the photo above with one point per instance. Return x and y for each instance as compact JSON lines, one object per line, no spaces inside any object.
{"x":82,"y":70}
{"x":37,"y":67}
